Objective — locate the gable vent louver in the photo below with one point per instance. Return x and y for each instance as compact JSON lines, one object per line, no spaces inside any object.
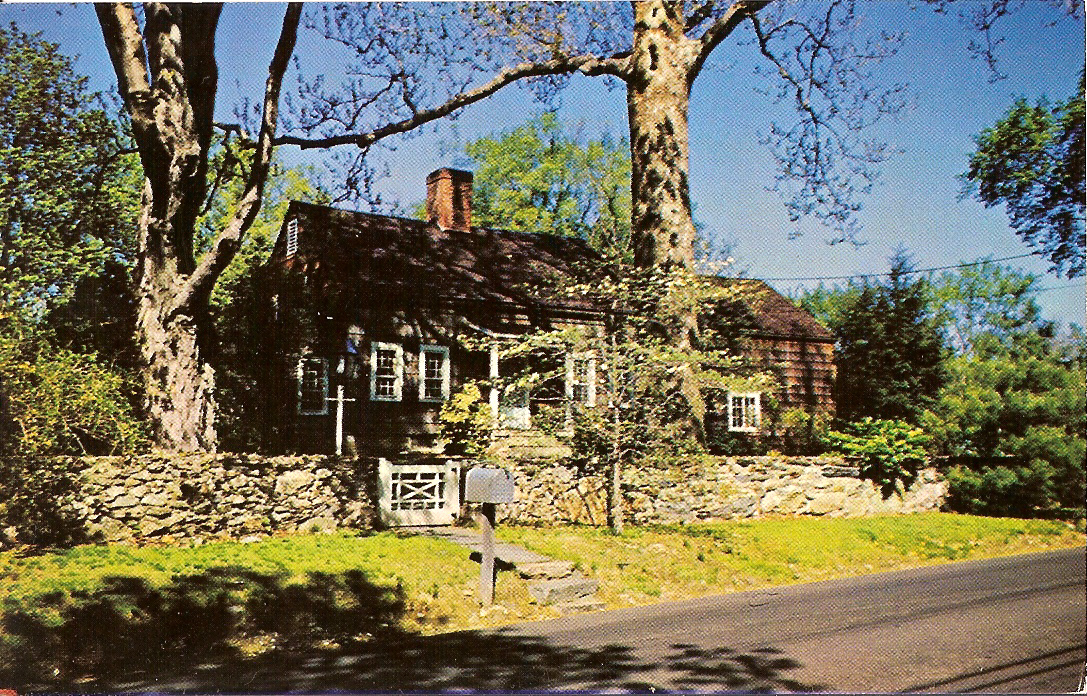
{"x":292,"y":237}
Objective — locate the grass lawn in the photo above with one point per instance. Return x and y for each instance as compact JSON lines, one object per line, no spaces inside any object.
{"x":68,"y":616}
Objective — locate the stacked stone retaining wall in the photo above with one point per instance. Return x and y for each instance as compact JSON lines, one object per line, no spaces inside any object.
{"x":204,"y":496}
{"x":715,"y":488}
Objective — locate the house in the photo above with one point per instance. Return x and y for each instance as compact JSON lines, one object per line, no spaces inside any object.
{"x":392,"y":315}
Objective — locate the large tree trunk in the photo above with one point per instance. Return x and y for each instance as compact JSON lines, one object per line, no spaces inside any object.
{"x":177,"y":380}
{"x":662,"y":228}
{"x":167,"y":74}
{"x":658,"y":93}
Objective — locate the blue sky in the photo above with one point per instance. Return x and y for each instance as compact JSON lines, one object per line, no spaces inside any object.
{"x":915,"y":206}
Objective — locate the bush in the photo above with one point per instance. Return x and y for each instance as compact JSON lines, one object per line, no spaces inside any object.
{"x":1002,"y":491}
{"x":890,"y":451}
{"x":465,"y":422}
{"x":802,"y":432}
{"x":36,"y":497}
{"x":60,"y":402}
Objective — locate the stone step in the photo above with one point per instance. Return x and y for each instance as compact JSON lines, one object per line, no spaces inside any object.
{"x":517,"y":555}
{"x":580,"y":606}
{"x":566,"y":589}
{"x":545,"y":570}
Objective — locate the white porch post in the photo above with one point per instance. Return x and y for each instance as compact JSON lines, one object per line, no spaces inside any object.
{"x":339,"y":418}
{"x":494,"y":388}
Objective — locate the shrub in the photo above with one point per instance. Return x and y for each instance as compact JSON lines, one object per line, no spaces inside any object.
{"x":889,"y":451}
{"x":465,"y":422}
{"x":60,"y":402}
{"x":803,"y":432}
{"x":1002,"y":491}
{"x":35,"y":499}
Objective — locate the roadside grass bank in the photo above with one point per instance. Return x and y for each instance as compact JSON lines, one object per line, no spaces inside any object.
{"x":71,"y":619}
{"x":646,"y":565}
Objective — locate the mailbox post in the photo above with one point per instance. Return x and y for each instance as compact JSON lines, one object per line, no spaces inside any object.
{"x":488,"y":486}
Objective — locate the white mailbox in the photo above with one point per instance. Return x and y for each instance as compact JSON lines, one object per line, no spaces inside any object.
{"x":489,"y":486}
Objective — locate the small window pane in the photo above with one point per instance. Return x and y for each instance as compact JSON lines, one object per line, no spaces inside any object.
{"x":433,"y":379}
{"x":292,"y":237}
{"x":581,"y":376}
{"x":312,"y":386}
{"x":386,"y":365}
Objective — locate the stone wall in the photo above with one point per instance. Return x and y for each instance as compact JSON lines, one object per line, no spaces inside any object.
{"x":714,"y":488}
{"x":207,"y":496}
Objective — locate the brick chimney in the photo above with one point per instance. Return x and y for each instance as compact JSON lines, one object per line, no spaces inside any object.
{"x":449,"y":199}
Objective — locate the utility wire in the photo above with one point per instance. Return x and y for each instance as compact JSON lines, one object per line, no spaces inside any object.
{"x":912,"y":272}
{"x":1056,"y":287}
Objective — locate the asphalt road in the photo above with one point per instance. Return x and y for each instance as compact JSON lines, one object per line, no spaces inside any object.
{"x":1011,"y":625}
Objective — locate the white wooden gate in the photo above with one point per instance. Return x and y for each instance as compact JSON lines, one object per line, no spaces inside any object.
{"x":418,"y":494}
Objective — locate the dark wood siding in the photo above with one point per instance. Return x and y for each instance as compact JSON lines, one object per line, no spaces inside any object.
{"x":805,"y":370}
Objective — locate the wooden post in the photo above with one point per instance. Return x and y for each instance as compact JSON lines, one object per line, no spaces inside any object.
{"x":486,"y":570}
{"x":339,"y":418}
{"x":493,"y":395}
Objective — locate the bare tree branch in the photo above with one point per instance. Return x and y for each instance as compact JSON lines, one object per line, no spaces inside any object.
{"x":587,"y":65}
{"x":226,"y":244}
{"x":720,"y":30}
{"x":124,"y":43}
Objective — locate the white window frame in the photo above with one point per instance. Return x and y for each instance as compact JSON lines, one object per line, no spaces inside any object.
{"x":433,"y":350}
{"x":590,"y":377}
{"x":398,"y":370}
{"x":323,"y":411}
{"x":292,"y":237}
{"x":756,"y":414}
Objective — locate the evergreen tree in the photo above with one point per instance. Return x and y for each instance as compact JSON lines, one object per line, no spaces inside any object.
{"x":890,"y":350}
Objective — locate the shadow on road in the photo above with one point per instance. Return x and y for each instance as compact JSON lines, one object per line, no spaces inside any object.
{"x":1001,"y":676}
{"x":492,"y":661}
{"x":331,"y":632}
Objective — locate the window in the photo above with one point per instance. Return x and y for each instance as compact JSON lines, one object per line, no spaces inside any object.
{"x":433,"y":373}
{"x":312,"y":386}
{"x":386,"y":371}
{"x":292,"y":237}
{"x":744,"y":412}
{"x":581,"y":378}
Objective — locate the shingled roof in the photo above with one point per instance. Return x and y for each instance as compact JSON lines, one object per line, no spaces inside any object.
{"x":394,"y":255}
{"x":767,"y":313}
{"x":388,"y":256}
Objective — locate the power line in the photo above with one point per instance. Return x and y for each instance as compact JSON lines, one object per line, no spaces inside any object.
{"x":1056,"y":287}
{"x":912,"y":272}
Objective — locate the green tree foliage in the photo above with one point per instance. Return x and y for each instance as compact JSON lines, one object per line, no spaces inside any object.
{"x":1032,"y":161}
{"x":69,"y":192}
{"x":465,"y":422}
{"x":1024,"y":402}
{"x":985,"y":303}
{"x":890,"y":347}
{"x":542,"y":178}
{"x":61,"y":402}
{"x":1013,"y":410}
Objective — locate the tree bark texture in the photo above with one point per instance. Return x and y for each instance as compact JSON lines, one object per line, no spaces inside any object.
{"x":167,"y":75}
{"x":658,"y":94}
{"x":660,"y":71}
